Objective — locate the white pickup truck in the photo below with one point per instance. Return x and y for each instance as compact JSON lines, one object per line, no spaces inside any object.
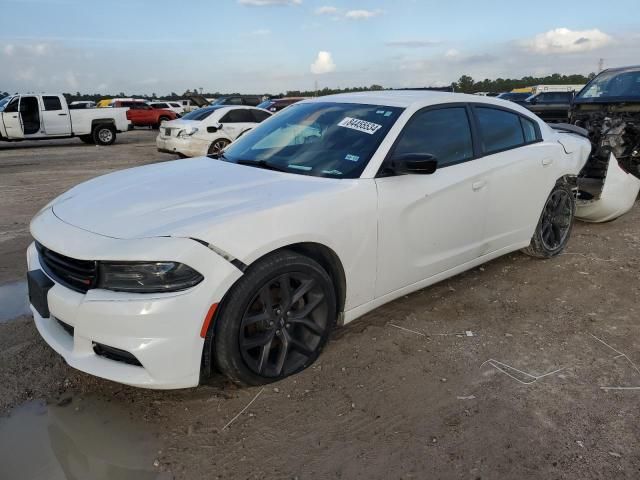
{"x":42,"y":117}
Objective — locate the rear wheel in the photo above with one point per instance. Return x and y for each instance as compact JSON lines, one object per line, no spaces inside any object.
{"x":275,"y":321}
{"x":218,"y":146}
{"x":554,"y":227}
{"x":104,"y":135}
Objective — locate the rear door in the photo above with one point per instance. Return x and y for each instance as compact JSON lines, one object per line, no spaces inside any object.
{"x":13,"y":120}
{"x":237,"y":121}
{"x":55,"y":118}
{"x":520,"y":174}
{"x":429,"y":224}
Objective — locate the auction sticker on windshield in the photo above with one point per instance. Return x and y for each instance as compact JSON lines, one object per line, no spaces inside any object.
{"x":359,"y":125}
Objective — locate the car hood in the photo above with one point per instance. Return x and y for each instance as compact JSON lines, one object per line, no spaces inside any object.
{"x":183,"y":198}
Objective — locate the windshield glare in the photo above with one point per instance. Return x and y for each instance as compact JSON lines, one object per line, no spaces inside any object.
{"x":613,"y":84}
{"x":321,"y":139}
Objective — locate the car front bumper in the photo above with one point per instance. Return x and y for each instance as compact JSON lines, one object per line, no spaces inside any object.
{"x":189,"y":146}
{"x":162,"y":331}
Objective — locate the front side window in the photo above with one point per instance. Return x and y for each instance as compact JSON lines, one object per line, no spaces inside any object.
{"x":499,"y":130}
{"x":9,"y":104}
{"x":322,"y":139}
{"x":444,"y":133}
{"x":52,"y":103}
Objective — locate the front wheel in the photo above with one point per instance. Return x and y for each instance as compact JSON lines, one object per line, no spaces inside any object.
{"x":104,"y":135}
{"x":275,"y":321}
{"x":554,"y":227}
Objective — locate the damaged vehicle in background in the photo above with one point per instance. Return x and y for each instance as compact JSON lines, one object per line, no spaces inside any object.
{"x":608,"y":107}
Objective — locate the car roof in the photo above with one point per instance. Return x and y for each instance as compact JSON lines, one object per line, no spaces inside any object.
{"x":406,"y":98}
{"x":621,"y":69}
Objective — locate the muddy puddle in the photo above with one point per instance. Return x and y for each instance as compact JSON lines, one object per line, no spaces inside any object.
{"x":13,"y":301}
{"x":84,"y":439}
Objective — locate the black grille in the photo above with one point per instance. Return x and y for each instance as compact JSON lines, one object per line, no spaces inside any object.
{"x":78,"y":275}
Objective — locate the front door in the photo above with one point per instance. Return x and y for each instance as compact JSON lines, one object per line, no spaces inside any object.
{"x":56,"y":120}
{"x":428,"y":224}
{"x":13,"y":120}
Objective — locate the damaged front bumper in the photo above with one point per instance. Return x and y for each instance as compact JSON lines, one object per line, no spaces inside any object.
{"x":610,"y":181}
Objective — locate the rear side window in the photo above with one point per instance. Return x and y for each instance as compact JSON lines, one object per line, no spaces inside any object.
{"x":259,"y":116}
{"x":238,"y":116}
{"x":52,"y":103}
{"x":233,"y":101}
{"x":499,"y":130}
{"x":444,"y":133}
{"x":530,"y":131}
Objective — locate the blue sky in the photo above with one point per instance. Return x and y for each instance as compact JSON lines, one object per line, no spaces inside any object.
{"x":144,"y":46}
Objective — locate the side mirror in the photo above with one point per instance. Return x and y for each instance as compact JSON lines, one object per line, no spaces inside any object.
{"x":213,"y":129}
{"x":414,"y":163}
{"x":533,"y":101}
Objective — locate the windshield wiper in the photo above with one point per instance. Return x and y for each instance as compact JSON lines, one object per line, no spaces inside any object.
{"x":262,"y":164}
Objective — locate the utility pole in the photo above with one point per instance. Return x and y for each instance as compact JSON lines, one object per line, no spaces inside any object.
{"x":600,"y":65}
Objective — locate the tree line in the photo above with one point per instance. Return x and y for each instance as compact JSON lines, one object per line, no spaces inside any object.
{"x":465,"y":84}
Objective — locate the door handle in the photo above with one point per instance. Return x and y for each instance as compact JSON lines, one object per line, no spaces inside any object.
{"x":478,"y":185}
{"x":62,"y":114}
{"x":546,"y":162}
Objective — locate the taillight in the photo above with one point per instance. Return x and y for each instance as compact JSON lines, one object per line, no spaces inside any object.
{"x":128,"y":114}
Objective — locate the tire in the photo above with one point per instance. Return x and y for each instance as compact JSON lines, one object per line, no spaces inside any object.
{"x":104,"y":135}
{"x":160,"y":120}
{"x":286,"y":337}
{"x":555,"y":224}
{"x":217,"y":146}
{"x":88,"y":139}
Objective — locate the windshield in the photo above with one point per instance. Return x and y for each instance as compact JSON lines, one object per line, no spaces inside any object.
{"x":321,"y":139}
{"x":614,"y":84}
{"x":266,"y":104}
{"x":4,"y":102}
{"x":200,"y":114}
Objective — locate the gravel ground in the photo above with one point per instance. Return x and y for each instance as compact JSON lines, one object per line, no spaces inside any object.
{"x":411,"y":390}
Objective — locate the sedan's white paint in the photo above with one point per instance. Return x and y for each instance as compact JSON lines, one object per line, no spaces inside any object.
{"x":392,"y":235}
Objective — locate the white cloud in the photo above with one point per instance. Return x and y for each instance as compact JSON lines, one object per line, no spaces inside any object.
{"x":326,"y":10}
{"x":452,"y":53}
{"x":563,"y":40}
{"x":71,"y":80}
{"x":362,"y":14}
{"x":269,"y":3}
{"x":9,"y":50}
{"x":323,"y":64}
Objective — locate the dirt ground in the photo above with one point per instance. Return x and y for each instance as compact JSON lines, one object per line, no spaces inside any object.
{"x":412,"y":390}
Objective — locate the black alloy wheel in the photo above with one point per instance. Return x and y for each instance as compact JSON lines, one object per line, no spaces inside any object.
{"x":273,"y":322}
{"x":283,"y":325}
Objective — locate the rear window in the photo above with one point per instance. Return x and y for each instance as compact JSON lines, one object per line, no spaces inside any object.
{"x":499,"y":129}
{"x":52,"y":103}
{"x":200,"y":114}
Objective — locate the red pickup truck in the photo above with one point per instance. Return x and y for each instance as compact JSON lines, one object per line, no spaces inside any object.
{"x":142,"y":115}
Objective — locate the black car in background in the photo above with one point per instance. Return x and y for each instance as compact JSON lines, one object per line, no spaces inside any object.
{"x":277,"y":104}
{"x":608,"y":107}
{"x":551,"y":106}
{"x":249,"y":100}
{"x":515,"y":97}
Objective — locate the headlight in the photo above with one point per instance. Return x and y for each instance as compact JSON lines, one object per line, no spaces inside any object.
{"x":146,"y":277}
{"x":187,"y":132}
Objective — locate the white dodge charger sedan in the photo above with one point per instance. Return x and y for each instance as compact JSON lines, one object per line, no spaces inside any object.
{"x":208,"y":130}
{"x":244,"y":261}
